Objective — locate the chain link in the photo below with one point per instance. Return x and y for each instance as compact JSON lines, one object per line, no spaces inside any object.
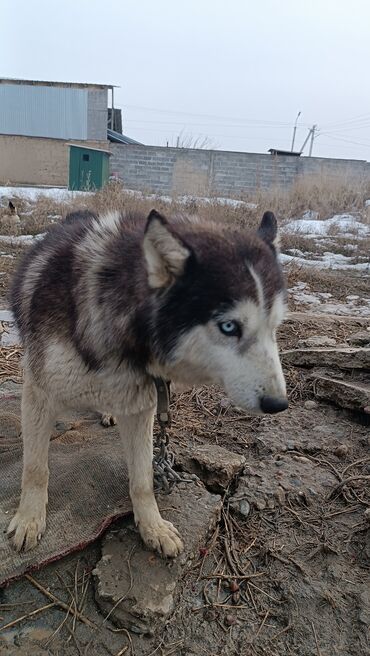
{"x":165,"y":477}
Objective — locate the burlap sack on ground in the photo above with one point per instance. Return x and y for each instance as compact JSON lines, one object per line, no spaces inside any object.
{"x":88,"y":485}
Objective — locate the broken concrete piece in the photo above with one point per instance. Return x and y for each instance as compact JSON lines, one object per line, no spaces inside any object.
{"x":135,"y":586}
{"x":340,"y":357}
{"x":361,"y":338}
{"x":287,"y":478}
{"x":317,"y":340}
{"x":214,"y":465}
{"x":324,"y":319}
{"x":346,"y":394}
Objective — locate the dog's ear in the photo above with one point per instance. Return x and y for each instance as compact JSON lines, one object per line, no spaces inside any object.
{"x":268,"y":230}
{"x":165,"y":254}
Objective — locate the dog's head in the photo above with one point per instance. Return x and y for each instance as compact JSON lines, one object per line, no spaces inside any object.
{"x":218,"y":298}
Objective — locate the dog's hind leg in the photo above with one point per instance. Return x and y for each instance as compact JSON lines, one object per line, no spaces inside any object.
{"x":38,"y":416}
{"x":137,"y":437}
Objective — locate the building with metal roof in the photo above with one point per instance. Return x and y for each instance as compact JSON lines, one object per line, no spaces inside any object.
{"x":38,"y":120}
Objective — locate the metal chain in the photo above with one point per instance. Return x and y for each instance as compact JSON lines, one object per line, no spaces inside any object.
{"x":165,"y":477}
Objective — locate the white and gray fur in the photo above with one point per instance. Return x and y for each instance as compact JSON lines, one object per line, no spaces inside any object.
{"x":105,"y":303}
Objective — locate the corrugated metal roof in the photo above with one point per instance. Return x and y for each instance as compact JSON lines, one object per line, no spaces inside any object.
{"x":81,"y":85}
{"x":117,"y":137}
{"x":36,"y":111}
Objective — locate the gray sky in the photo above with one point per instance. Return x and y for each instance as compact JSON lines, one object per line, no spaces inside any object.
{"x":234,"y":71}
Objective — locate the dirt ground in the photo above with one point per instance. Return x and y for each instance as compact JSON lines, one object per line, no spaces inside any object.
{"x":285,"y":574}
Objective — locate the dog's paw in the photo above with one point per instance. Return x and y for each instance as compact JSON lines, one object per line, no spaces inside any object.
{"x":162,"y":537}
{"x":25,"y":530}
{"x":107,"y":420}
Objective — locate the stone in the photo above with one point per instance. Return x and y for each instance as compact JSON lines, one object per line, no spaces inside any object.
{"x":242,"y":506}
{"x":346,"y":394}
{"x":361,"y":338}
{"x":214,"y":465}
{"x":341,"y":451}
{"x":317,"y":340}
{"x":137,"y":587}
{"x":310,"y":405}
{"x":340,"y":357}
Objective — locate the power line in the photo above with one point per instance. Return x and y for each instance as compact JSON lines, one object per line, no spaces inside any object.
{"x":220,"y":125}
{"x":209,"y":116}
{"x":336,"y":138}
{"x":355,"y":119}
{"x":359,"y":126}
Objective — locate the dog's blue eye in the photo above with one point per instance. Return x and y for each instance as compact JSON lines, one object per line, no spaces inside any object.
{"x":230,"y":328}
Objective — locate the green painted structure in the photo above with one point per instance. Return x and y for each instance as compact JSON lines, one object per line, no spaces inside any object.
{"x":88,"y":168}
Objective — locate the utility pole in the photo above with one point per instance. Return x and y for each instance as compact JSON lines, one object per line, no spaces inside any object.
{"x":294,"y":131}
{"x":313,"y":130}
{"x":311,"y":133}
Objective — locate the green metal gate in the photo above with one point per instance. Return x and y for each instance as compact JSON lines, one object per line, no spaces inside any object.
{"x":88,"y":168}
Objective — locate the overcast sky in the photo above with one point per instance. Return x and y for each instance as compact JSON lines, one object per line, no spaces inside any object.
{"x":235,"y":72}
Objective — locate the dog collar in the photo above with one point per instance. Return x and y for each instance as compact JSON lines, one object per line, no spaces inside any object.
{"x":163,"y":401}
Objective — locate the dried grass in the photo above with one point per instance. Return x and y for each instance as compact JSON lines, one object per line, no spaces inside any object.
{"x":325,"y":194}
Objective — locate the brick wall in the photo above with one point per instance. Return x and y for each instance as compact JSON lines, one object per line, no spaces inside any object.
{"x":37,"y":160}
{"x":218,"y":173}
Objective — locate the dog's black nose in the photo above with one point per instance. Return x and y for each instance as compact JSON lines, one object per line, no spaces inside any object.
{"x":272,"y":405}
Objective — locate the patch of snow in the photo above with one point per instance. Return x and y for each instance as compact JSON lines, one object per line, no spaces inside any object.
{"x":367,"y":203}
{"x":310,"y":299}
{"x":326,"y":261}
{"x":63,"y":195}
{"x":201,"y":200}
{"x":355,"y":305}
{"x":21,"y":240}
{"x":343,"y":308}
{"x":310,"y":215}
{"x":346,"y":224}
{"x":296,"y":252}
{"x":60,"y":194}
{"x":231,"y":202}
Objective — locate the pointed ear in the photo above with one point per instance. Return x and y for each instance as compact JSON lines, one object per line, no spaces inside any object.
{"x":268,"y":230}
{"x":165,"y":254}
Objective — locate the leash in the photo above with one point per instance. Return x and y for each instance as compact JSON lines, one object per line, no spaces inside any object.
{"x":165,"y":477}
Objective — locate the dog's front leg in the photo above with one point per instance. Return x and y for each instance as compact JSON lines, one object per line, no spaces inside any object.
{"x":137,"y":437}
{"x":38,"y":415}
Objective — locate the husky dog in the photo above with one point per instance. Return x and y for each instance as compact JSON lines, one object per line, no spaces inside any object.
{"x":104,"y":304}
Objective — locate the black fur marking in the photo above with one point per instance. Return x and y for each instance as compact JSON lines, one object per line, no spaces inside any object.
{"x":52,"y":304}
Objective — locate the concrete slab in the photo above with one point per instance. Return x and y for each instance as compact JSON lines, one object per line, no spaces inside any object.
{"x":342,"y":358}
{"x":345,"y":393}
{"x":136,"y":587}
{"x":284,"y":479}
{"x":215,"y":466}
